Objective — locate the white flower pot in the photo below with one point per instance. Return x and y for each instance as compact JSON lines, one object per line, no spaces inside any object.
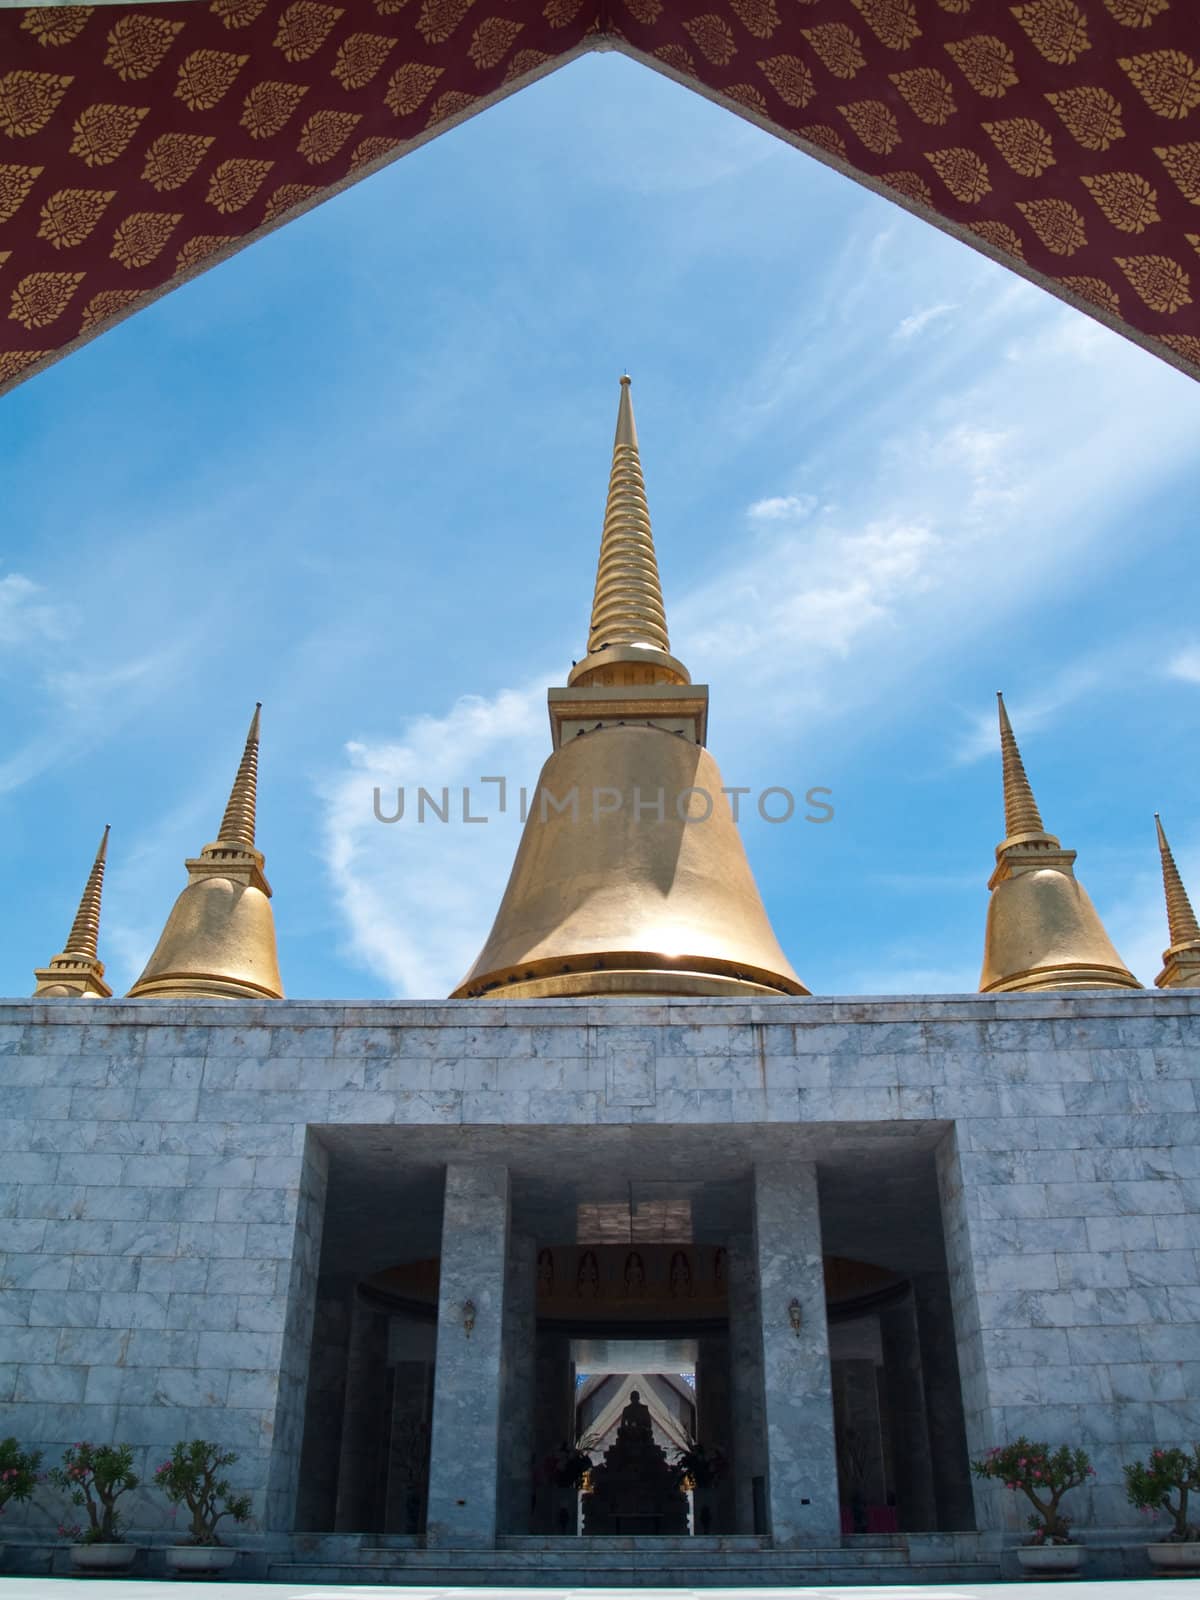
{"x":103,"y":1557}
{"x":1176,"y":1555}
{"x":200,"y":1557}
{"x":1051,"y":1560}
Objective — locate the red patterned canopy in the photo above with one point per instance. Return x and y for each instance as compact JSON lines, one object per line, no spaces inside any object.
{"x":140,"y":144}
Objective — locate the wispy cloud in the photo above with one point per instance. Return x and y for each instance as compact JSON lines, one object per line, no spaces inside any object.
{"x":25,"y":616}
{"x":783,"y":508}
{"x":1185,"y":665}
{"x":417,"y":898}
{"x":912,"y":325}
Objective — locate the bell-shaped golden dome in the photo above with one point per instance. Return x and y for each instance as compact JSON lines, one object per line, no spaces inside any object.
{"x":219,"y":940}
{"x":631,"y":876}
{"x":1043,"y":932}
{"x":78,"y":971}
{"x":1181,"y":958}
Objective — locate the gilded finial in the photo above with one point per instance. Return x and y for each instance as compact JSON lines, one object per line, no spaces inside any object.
{"x":628,"y":603}
{"x":1043,"y":932}
{"x":237,"y":825}
{"x":219,"y":940}
{"x":1181,"y":959}
{"x":77,"y":970}
{"x":1021,"y":815}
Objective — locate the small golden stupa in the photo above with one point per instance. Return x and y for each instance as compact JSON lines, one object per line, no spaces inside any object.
{"x":1043,"y":932}
{"x":1181,"y":959}
{"x":219,"y":940}
{"x":78,"y":971}
{"x":631,"y":876}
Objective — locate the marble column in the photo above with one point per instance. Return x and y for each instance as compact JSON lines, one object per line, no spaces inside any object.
{"x":554,"y":1425}
{"x":464,"y":1458}
{"x":518,"y":1373}
{"x":364,"y":1422}
{"x":905,"y":1390}
{"x":943,"y":1402}
{"x":714,"y":1429}
{"x":802,"y":1486}
{"x":746,"y":1373}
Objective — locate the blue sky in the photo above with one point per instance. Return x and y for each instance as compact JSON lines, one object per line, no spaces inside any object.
{"x":358,"y":472}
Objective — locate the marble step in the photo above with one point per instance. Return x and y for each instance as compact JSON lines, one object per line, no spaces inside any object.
{"x":648,"y":1554}
{"x":725,"y":1573}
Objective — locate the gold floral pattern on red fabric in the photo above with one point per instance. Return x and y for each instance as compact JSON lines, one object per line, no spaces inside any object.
{"x":837,"y":47}
{"x":790,"y":79}
{"x":28,"y":100}
{"x":55,"y":25}
{"x":304,"y":28}
{"x":1182,"y":162}
{"x":1162,"y":283}
{"x":1090,"y":115}
{"x":1094,"y":290}
{"x":963,"y":172}
{"x":206,"y":77}
{"x":143,"y":236}
{"x":1167,"y":80}
{"x":492,"y":41}
{"x":102,"y":132}
{"x":986,"y":62}
{"x":713,"y":37}
{"x":410,"y":87}
{"x":893,"y":22}
{"x":173,"y":158}
{"x":69,"y":215}
{"x":928,"y":93}
{"x":269,"y":106}
{"x":1057,"y":224}
{"x":1023,"y":143}
{"x":1126,"y":199}
{"x":138,"y":44}
{"x":235,"y":183}
{"x":237,"y":13}
{"x":15,"y":183}
{"x":759,"y":17}
{"x":324,"y":134}
{"x":40,"y":298}
{"x":1058,"y":29}
{"x":1062,"y":135}
{"x":360,"y":58}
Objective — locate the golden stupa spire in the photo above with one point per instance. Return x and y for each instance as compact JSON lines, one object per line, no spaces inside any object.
{"x":628,"y":641}
{"x":628,"y":605}
{"x":1021,"y":815}
{"x":631,"y":876}
{"x":237,"y":825}
{"x":1181,"y":958}
{"x":219,"y":940}
{"x":78,"y":970}
{"x":1043,"y":931}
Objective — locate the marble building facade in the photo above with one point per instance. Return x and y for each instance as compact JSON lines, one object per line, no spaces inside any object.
{"x":191,"y":1190}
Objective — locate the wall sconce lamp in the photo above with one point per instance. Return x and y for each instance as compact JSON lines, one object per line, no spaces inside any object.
{"x":468,"y":1316}
{"x":795,"y":1316}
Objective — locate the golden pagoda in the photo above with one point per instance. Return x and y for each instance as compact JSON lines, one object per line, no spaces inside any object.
{"x":219,"y":940}
{"x":77,"y":971}
{"x":631,"y":876}
{"x":1181,"y":959}
{"x":1043,"y":932}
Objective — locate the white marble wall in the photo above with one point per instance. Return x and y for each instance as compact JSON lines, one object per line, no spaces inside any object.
{"x":160,"y":1192}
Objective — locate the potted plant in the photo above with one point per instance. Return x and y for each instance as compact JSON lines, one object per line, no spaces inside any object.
{"x":96,"y":1476}
{"x":18,"y":1472}
{"x":190,"y":1476}
{"x":1043,"y":1476}
{"x":1150,"y":1485}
